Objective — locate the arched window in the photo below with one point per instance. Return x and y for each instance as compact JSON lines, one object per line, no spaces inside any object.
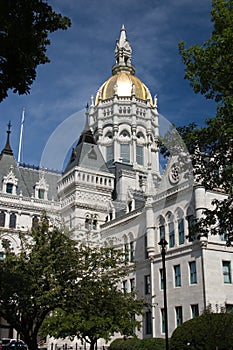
{"x":12,"y":222}
{"x":94,"y":224}
{"x":87,"y":222}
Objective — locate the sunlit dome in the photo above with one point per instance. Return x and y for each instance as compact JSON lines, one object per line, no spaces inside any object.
{"x":123,"y":85}
{"x":123,"y":82}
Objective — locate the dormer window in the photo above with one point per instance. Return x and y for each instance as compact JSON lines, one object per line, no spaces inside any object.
{"x":10,"y":182}
{"x":41,"y":189}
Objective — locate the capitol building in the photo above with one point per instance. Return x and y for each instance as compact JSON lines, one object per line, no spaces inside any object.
{"x":115,"y":187}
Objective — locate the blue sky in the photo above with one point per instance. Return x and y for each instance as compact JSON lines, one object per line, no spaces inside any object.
{"x":82,"y":57}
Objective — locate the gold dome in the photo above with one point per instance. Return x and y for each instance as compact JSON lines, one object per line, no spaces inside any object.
{"x":123,"y":84}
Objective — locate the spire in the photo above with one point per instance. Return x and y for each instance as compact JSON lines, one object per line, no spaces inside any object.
{"x":7,"y":149}
{"x":87,"y":135}
{"x":123,"y":54}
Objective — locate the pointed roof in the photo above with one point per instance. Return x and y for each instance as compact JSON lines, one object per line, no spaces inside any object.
{"x":87,"y":154}
{"x":123,"y":54}
{"x":7,"y":149}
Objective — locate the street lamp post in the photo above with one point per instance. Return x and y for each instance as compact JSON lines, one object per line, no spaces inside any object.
{"x":163,"y":243}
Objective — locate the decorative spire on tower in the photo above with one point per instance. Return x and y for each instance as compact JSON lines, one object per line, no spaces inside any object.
{"x":123,"y":54}
{"x":7,"y":149}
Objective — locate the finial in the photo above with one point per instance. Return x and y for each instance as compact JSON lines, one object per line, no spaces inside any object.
{"x":123,"y":54}
{"x":9,"y":125}
{"x":87,"y":115}
{"x":7,"y":149}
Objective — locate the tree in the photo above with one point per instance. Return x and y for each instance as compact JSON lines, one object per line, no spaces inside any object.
{"x":35,"y":280}
{"x":209,"y":69}
{"x":24,"y":29}
{"x":99,"y":308}
{"x":209,"y":331}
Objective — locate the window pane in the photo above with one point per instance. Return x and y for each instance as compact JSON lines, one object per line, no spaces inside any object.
{"x":148,"y":322}
{"x":181,"y":231}
{"x":162,"y":321}
{"x":12,"y":223}
{"x":179,"y":318}
{"x":191,"y":235}
{"x":193,"y":272}
{"x":226,"y":266}
{"x":195,"y":310}
{"x":132,"y":284}
{"x":162,"y":231}
{"x":139,"y":155}
{"x":2,"y":218}
{"x":41,"y":193}
{"x":131,"y":252}
{"x":124,"y":286}
{"x":9,"y":188}
{"x":125,"y":155}
{"x":171,"y":234}
{"x":177,"y":276}
{"x":109,"y":154}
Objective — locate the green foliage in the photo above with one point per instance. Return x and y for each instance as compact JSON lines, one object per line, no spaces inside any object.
{"x":24,"y":29}
{"x":207,"y":332}
{"x":138,"y":344}
{"x":97,"y":308}
{"x":37,"y":279}
{"x":209,"y":69}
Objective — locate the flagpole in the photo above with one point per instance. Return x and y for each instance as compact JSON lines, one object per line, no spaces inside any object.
{"x":21,"y":136}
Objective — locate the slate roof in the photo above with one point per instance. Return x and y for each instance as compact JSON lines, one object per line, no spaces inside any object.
{"x":27,"y":176}
{"x":87,"y":154}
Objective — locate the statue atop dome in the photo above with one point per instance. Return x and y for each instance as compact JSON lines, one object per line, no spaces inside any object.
{"x":123,"y":54}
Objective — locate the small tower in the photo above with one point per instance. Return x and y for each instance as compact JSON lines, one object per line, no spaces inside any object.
{"x":86,"y":186}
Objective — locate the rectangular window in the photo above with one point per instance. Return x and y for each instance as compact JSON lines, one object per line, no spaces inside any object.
{"x":179,"y":317}
{"x":171,"y":234}
{"x":109,"y":154}
{"x":177,"y":275}
{"x":181,"y":231}
{"x":125,"y":153}
{"x":132,"y":285}
{"x":147,"y":284}
{"x":195,"y":310}
{"x":161,"y":279}
{"x":124,"y":286}
{"x":193,"y":272}
{"x":226,"y":269}
{"x":131,"y":251}
{"x":139,"y":155}
{"x":162,"y":321}
{"x":41,"y":193}
{"x":9,"y":188}
{"x":148,"y":320}
{"x":162,"y":231}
